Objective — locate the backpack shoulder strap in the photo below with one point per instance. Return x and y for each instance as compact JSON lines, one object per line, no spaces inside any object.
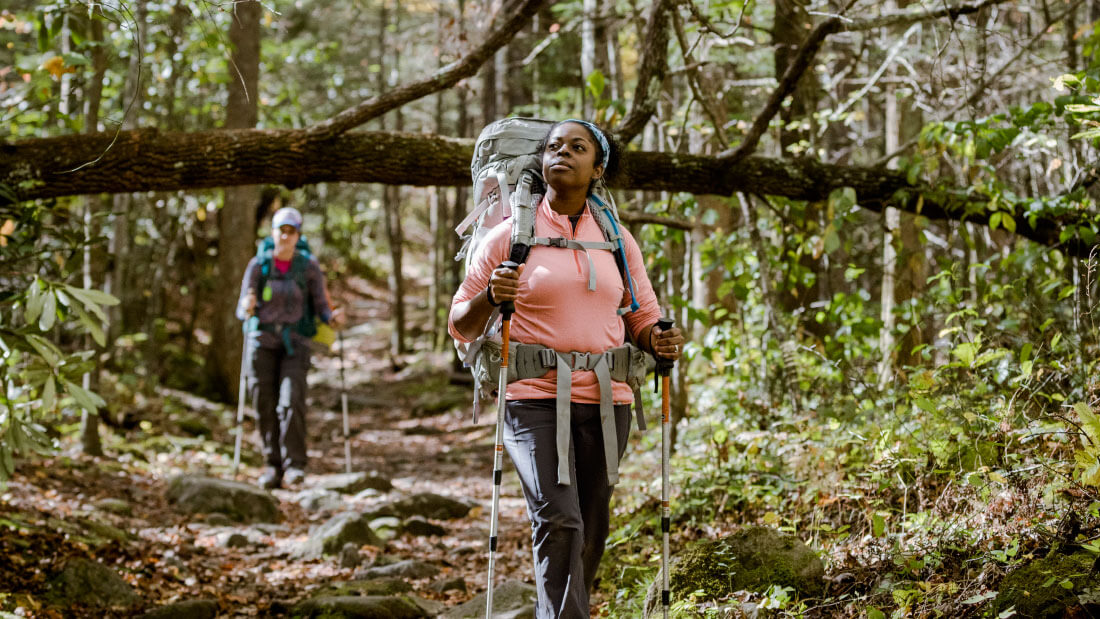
{"x":608,"y":220}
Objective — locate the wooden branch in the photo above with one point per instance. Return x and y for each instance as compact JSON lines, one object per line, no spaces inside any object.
{"x":151,"y":160}
{"x":661,"y":220}
{"x":442,"y":79}
{"x":786,"y":86}
{"x":809,"y":49}
{"x":651,"y":74}
{"x":904,"y":18}
{"x":985,"y":82}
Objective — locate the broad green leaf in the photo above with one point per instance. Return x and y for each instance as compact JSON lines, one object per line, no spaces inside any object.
{"x":49,"y":394}
{"x":596,"y":84}
{"x":49,"y":312}
{"x":1008,"y":222}
{"x":87,"y":400}
{"x":45,"y":349}
{"x":35,"y":300}
{"x":8,"y":468}
{"x":874,"y":613}
{"x":15,"y":435}
{"x":995,"y":220}
{"x":91,"y":295}
{"x":878,"y":525}
{"x":93,"y":328}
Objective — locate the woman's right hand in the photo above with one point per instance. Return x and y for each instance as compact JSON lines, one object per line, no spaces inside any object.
{"x":504,"y":284}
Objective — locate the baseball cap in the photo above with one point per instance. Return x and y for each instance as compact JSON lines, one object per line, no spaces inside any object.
{"x":287,"y":216}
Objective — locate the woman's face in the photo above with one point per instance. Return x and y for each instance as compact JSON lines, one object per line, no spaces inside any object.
{"x":569,"y":159}
{"x":285,"y":238}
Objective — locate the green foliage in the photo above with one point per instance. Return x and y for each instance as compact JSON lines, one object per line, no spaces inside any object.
{"x":40,"y":370}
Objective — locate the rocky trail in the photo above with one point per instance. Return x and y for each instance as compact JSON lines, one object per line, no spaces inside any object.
{"x":157,"y":528}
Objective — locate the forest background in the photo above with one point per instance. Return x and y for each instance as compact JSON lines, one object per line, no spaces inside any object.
{"x":875,"y":220}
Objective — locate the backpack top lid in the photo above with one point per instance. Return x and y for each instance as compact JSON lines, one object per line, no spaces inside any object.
{"x":509,"y":138}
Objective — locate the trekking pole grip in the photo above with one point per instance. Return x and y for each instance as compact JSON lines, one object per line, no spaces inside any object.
{"x":507,"y":308}
{"x":664,"y":366}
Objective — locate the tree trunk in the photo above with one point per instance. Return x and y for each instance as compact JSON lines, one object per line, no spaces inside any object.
{"x":237,"y":217}
{"x":90,"y":442}
{"x":588,"y":53}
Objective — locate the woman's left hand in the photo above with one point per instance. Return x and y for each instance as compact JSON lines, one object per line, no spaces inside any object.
{"x":667,"y":344}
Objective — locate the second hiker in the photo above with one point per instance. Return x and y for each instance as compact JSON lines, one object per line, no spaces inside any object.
{"x":282,"y":294}
{"x":567,"y":297}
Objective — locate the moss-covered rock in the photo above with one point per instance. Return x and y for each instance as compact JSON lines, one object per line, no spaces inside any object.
{"x":512,"y":598}
{"x":330,"y":537}
{"x":375,"y":586}
{"x":362,"y":607}
{"x":192,"y":494}
{"x":189,"y":609}
{"x":88,"y":583}
{"x":1049,"y":586}
{"x":752,"y":559}
{"x":425,"y":504}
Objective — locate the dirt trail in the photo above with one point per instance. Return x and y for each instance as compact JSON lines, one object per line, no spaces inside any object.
{"x":170,"y":557}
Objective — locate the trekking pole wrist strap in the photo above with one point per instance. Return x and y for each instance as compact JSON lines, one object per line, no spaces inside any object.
{"x":489,"y":296}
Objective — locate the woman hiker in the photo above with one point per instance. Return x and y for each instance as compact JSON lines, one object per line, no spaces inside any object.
{"x":282,"y":288}
{"x":568,"y":502}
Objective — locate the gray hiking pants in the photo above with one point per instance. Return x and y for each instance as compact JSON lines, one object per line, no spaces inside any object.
{"x":569,"y":524}
{"x":278,"y":389}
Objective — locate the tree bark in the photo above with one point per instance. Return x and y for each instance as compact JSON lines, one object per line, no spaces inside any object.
{"x":150,"y":160}
{"x":90,"y":442}
{"x":236,"y":218}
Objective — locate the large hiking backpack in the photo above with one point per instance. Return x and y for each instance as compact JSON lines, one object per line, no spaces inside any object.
{"x":507,"y":175}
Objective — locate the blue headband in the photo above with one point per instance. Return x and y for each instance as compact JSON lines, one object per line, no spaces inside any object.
{"x":600,"y":137}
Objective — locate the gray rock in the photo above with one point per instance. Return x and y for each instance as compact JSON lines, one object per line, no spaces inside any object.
{"x":444,"y":585}
{"x":92,"y":584}
{"x":235,"y":540}
{"x":218,"y":520}
{"x":191,"y":494}
{"x":190,"y":609}
{"x":194,"y":426}
{"x":349,"y":556}
{"x":387,"y":527}
{"x":352,"y":483}
{"x":369,"y":493}
{"x":330,"y":537}
{"x":361,"y":607}
{"x":420,"y":527}
{"x":751,"y":559}
{"x":437,"y":401}
{"x":114,"y":506}
{"x":511,"y":600}
{"x":319,"y":500}
{"x":409,"y":568}
{"x":104,"y":531}
{"x":374,"y":586}
{"x":425,"y":504}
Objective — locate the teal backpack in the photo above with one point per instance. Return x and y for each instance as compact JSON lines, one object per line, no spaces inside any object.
{"x":299,"y":266}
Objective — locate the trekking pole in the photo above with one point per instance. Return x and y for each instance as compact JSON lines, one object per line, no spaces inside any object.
{"x":344,"y":406}
{"x":507,"y":308}
{"x":240,"y":404}
{"x":664,"y":367}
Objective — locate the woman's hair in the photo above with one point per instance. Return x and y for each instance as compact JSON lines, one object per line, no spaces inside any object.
{"x":611,"y":170}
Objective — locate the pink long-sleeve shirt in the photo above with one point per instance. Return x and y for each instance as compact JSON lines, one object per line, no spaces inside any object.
{"x":554,"y":306}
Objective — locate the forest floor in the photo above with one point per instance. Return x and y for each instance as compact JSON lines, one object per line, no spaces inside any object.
{"x":169,"y":557}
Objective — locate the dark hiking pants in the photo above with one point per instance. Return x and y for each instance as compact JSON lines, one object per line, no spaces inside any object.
{"x":569,"y":523}
{"x":279,"y":394}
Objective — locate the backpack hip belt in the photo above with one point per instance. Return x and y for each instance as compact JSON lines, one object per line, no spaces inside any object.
{"x":622,"y":364}
{"x":282,"y":329}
